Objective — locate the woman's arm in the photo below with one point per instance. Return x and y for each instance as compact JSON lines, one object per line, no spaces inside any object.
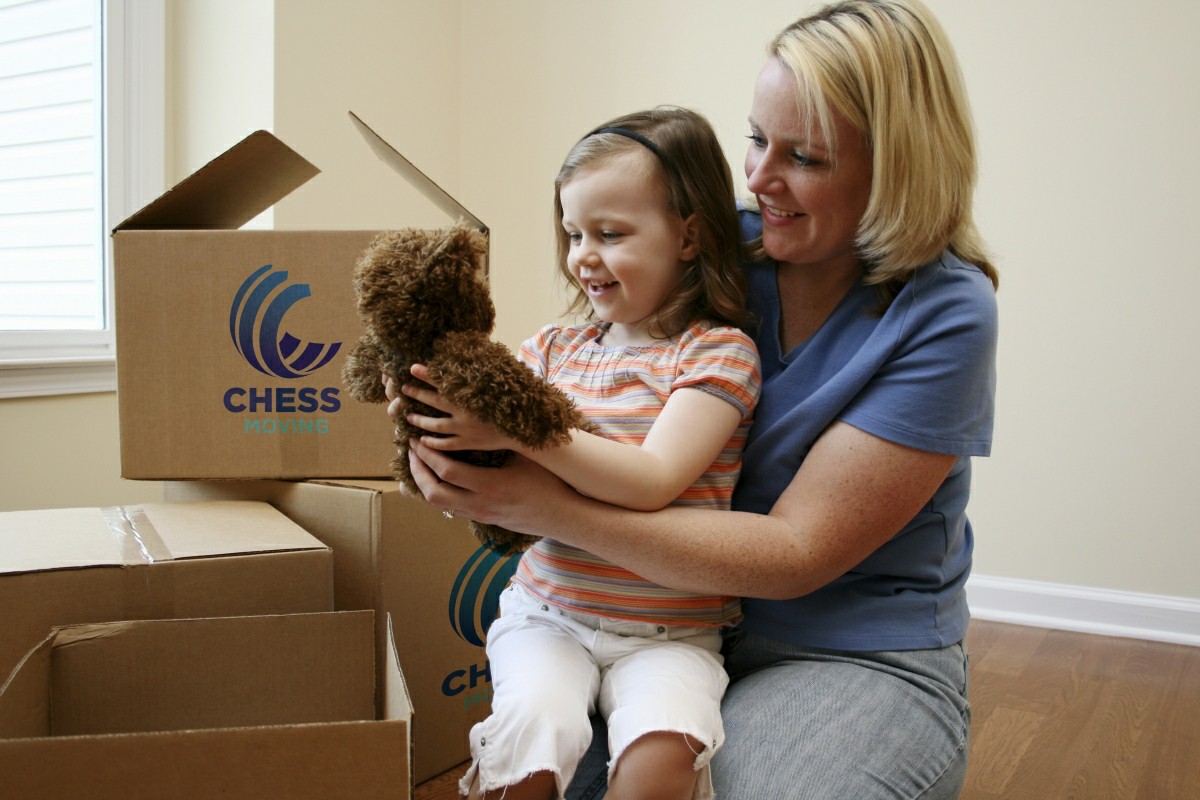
{"x":853,"y":493}
{"x":687,"y":436}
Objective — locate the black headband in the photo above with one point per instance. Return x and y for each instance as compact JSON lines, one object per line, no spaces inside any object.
{"x":672,"y":173}
{"x":637,"y":137}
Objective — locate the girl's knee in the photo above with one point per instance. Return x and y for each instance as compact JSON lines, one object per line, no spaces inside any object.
{"x":538,"y":786}
{"x":667,"y":746}
{"x":659,"y":765}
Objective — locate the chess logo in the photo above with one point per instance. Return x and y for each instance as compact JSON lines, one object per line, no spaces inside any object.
{"x":475,"y":596}
{"x":256,"y":327}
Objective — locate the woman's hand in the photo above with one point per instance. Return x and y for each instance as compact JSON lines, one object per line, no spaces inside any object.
{"x":503,"y":496}
{"x":391,"y":389}
{"x":458,"y":430}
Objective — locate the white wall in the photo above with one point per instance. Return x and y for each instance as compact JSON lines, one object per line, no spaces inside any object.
{"x":1086,"y":114}
{"x":220,"y":56}
{"x":395,"y":65}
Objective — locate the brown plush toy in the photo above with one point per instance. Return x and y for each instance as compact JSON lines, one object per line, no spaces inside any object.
{"x":423,"y":299}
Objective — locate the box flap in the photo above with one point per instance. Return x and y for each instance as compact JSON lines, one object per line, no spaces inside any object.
{"x":397,"y":701}
{"x":128,"y":677}
{"x":229,"y":191}
{"x":215,"y":528}
{"x":73,"y":538}
{"x":430,"y":190}
{"x":32,"y":541}
{"x":25,"y":695}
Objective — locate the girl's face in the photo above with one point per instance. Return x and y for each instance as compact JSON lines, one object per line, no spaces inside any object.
{"x":627,"y":250}
{"x":812,"y":198}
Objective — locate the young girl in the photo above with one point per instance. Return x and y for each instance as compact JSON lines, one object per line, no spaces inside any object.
{"x":649,"y":236}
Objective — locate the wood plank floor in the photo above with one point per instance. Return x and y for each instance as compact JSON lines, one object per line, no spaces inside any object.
{"x":1070,"y":715}
{"x":1065,"y":716}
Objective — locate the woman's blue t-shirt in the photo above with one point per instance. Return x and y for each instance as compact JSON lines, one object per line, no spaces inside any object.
{"x":923,"y":375}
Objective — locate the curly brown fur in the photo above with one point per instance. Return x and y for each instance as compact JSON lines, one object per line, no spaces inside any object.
{"x":423,"y":299}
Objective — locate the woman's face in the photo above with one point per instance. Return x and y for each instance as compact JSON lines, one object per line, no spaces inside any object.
{"x":812,"y":196}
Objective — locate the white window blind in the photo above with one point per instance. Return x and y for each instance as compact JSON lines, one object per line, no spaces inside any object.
{"x":81,"y":144}
{"x":51,"y":191}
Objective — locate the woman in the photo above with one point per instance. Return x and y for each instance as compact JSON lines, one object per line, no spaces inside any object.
{"x":877,"y":328}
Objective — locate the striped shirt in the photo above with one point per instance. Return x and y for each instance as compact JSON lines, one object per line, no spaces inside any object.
{"x":622,"y":390}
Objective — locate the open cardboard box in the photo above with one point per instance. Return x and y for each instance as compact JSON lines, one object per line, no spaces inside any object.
{"x":238,"y":707}
{"x":401,"y":557}
{"x":153,"y":561}
{"x":231,"y":342}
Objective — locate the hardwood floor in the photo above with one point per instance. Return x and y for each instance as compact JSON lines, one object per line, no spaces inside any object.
{"x":443,"y":787}
{"x":1070,"y":715}
{"x":1065,"y":716}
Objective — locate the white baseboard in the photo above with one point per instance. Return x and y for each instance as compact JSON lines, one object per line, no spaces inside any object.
{"x":1076,"y":608}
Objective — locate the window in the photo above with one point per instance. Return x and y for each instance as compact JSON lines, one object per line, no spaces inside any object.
{"x":81,"y":147}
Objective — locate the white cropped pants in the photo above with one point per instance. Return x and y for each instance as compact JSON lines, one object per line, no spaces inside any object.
{"x":552,"y":668}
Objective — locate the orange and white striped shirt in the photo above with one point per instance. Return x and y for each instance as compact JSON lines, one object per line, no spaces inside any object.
{"x":622,"y":390}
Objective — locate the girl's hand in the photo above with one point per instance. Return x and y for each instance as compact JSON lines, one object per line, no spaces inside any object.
{"x":458,"y":430}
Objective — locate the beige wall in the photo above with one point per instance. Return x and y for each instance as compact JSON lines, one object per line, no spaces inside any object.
{"x":62,"y":452}
{"x":1086,"y":117}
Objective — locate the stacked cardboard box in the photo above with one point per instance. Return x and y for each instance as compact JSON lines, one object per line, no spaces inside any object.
{"x":230,"y":349}
{"x":143,"y":646}
{"x":401,"y":558}
{"x":155,"y":561}
{"x":240,"y":707}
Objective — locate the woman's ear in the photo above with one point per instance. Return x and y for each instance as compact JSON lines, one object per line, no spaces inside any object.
{"x":689,"y":243}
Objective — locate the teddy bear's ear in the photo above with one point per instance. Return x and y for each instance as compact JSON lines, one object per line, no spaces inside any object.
{"x":461,"y":260}
{"x":453,"y":294}
{"x":462,"y":245}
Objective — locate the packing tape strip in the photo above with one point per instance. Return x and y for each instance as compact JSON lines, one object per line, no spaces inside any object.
{"x":139,"y":539}
{"x":147,"y":593}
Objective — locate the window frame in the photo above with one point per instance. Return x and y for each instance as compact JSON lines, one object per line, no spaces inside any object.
{"x":133,"y":48}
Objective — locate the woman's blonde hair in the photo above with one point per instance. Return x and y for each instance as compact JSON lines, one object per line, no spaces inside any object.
{"x":889,"y":69}
{"x":688,"y":158}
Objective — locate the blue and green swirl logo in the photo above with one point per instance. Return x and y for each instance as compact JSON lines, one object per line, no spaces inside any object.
{"x":475,"y":596}
{"x":256,"y":322}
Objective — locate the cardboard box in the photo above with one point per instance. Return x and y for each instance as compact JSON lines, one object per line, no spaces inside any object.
{"x":400,"y":556}
{"x":230,"y":343}
{"x":240,"y":707}
{"x":153,"y":561}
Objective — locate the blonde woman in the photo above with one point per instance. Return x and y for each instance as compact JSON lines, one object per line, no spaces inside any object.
{"x":849,"y":538}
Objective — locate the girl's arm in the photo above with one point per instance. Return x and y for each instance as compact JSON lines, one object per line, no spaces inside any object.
{"x":687,"y":436}
{"x":853,"y":492}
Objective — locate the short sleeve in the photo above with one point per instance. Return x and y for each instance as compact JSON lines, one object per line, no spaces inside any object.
{"x":936,"y":391}
{"x":721,"y":361}
{"x":535,"y":351}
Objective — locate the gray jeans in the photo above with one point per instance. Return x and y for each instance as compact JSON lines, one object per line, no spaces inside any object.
{"x":808,"y":724}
